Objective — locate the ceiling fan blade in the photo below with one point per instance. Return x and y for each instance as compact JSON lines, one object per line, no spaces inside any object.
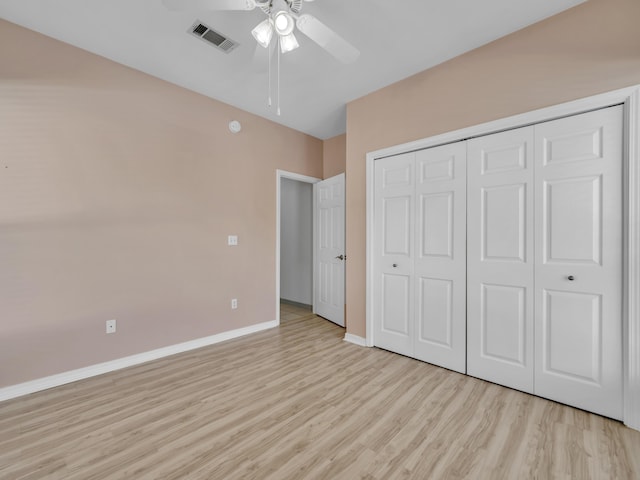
{"x":327,"y":38}
{"x":209,"y":4}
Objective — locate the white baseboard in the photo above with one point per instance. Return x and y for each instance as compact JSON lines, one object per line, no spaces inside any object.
{"x":39,"y":384}
{"x":349,"y":337}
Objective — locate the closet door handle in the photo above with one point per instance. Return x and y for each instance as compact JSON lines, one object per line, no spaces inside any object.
{"x":571,"y":278}
{"x":395,"y":265}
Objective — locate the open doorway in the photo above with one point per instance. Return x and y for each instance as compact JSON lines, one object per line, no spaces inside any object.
{"x":294,"y":244}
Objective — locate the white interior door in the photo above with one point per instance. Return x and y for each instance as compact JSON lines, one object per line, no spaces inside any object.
{"x":393,"y":288}
{"x":579,"y":261}
{"x":500,"y":260}
{"x":329,"y":250}
{"x":440,"y":260}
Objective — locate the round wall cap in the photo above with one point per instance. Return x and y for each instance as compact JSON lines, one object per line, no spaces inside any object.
{"x":234,"y":126}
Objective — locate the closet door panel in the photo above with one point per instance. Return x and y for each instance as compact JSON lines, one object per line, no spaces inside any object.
{"x":503,"y":323}
{"x":500,"y":258}
{"x":396,"y":294}
{"x":579,"y":261}
{"x":436,"y":312}
{"x":440,"y":261}
{"x":503,"y":219}
{"x":393,"y":253}
{"x":436,"y":221}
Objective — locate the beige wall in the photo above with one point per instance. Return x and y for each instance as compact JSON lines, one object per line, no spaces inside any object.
{"x":590,"y":49}
{"x":117,"y":193}
{"x":334,"y":156}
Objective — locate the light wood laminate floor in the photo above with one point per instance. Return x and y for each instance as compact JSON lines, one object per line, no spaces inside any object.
{"x":297,"y":402}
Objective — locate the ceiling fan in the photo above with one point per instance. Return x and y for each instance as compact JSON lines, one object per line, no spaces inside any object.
{"x":283,"y":17}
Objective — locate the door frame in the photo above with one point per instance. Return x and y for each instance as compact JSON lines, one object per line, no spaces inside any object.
{"x":280,"y":174}
{"x":630,"y":98}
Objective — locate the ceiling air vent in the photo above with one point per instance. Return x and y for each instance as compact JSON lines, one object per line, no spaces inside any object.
{"x":216,"y":39}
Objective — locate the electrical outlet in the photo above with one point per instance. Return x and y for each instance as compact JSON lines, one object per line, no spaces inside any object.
{"x":111,"y":326}
{"x":232,"y":240}
{"x":234,"y":303}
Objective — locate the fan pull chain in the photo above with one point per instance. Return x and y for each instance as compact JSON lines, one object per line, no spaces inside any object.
{"x":278,"y":47}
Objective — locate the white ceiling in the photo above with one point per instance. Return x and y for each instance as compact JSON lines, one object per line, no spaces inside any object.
{"x":396,"y":38}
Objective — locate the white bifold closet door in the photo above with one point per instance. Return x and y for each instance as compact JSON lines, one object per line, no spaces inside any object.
{"x":544,"y":260}
{"x":394,"y":286}
{"x":440,"y":257}
{"x":578,"y":237}
{"x":500,"y":260}
{"x":420,"y":255}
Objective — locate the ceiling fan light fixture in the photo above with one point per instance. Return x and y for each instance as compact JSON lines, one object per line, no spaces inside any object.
{"x":263,"y":33}
{"x":284,"y":23}
{"x":288,"y":43}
